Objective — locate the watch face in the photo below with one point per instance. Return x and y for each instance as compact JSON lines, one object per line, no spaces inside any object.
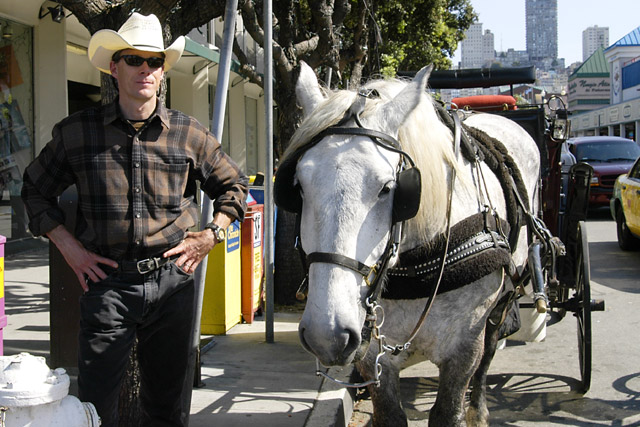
{"x":220,"y":234}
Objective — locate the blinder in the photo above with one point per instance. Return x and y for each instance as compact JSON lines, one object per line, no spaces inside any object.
{"x":406,"y":200}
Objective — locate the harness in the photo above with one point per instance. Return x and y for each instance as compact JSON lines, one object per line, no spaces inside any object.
{"x":490,"y":236}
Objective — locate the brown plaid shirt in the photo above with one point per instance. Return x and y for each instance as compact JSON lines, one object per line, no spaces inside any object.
{"x":136,"y":189}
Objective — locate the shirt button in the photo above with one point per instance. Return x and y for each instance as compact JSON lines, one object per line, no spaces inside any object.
{"x":138,"y":242}
{"x":136,"y":189}
{"x":136,"y":165}
{"x":137,"y":214}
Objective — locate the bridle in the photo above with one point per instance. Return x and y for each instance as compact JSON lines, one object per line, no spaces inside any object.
{"x":374,"y":274}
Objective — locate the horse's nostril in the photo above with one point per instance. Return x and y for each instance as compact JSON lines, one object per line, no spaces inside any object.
{"x":353,"y":343}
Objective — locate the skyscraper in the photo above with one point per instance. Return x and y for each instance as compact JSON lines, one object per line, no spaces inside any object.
{"x":593,"y":38}
{"x":542,"y":29}
{"x":477,"y":49}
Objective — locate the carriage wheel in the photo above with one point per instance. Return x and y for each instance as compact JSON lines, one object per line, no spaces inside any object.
{"x":583,"y":314}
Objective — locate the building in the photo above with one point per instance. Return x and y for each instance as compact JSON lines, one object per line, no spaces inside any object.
{"x":477,"y":48}
{"x":512,"y":58}
{"x":622,"y":116}
{"x":45,"y":75}
{"x":590,"y":84}
{"x":542,"y":29}
{"x":592,"y":39}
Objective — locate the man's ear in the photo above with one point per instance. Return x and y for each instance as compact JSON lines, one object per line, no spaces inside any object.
{"x":113,"y":69}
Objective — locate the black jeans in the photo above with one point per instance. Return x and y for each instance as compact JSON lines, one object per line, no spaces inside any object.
{"x":157,"y":308}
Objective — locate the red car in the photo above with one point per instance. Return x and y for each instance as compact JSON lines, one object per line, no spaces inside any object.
{"x":610,"y":156}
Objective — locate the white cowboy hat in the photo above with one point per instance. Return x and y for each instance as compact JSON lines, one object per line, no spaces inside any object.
{"x":139,"y":32}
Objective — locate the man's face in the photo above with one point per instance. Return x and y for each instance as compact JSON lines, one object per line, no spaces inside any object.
{"x":138,"y":82}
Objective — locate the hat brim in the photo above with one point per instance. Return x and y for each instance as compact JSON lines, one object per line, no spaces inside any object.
{"x":105,"y":43}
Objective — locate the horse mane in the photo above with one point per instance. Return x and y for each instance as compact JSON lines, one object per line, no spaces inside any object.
{"x":422,"y":135}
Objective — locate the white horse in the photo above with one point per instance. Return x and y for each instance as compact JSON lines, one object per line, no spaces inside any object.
{"x":343,"y":185}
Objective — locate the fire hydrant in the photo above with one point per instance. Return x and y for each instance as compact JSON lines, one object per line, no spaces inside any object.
{"x":33,"y":395}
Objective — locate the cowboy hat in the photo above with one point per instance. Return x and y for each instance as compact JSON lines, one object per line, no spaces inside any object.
{"x":138,"y":32}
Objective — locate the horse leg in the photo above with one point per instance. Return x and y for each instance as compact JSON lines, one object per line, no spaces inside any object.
{"x":455,"y":374}
{"x":387,"y":409}
{"x":478,"y":413}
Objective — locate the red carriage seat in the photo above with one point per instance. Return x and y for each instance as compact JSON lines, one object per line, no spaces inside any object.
{"x":485,"y":103}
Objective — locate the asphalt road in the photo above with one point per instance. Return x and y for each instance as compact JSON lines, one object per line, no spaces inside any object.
{"x":536,"y":383}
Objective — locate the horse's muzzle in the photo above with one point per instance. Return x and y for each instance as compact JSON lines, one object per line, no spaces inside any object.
{"x":339,"y":348}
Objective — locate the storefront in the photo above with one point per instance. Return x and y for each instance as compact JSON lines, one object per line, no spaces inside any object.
{"x":16,"y":123}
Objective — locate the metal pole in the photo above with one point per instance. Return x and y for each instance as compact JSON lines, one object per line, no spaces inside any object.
{"x":268,"y":185}
{"x":217,"y":124}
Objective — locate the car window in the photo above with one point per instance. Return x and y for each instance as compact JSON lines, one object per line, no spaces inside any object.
{"x":635,"y":171}
{"x":607,"y":151}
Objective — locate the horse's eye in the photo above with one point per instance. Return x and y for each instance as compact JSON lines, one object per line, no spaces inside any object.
{"x":386,"y":189}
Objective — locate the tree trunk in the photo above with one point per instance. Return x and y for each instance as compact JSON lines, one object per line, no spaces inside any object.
{"x":288,"y":268}
{"x":129,"y":413}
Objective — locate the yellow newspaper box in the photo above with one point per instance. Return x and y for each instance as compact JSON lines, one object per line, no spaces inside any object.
{"x":221,"y":304}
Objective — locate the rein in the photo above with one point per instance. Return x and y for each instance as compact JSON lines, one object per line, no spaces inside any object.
{"x":375,"y":312}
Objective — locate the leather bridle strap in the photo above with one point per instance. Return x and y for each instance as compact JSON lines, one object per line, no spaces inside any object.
{"x":390,"y":143}
{"x":341,"y":260}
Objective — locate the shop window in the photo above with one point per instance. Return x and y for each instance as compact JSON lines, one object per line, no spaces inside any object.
{"x":16,"y":123}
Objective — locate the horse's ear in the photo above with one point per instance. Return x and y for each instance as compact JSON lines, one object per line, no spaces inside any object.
{"x":308,"y":90}
{"x":396,"y":111}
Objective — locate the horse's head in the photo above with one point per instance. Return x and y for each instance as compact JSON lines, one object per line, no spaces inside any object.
{"x":344,"y":185}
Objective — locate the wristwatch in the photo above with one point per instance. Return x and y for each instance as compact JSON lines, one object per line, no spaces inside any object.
{"x":218,"y":232}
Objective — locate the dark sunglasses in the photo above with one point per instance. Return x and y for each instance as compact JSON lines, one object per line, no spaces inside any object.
{"x":136,"y":61}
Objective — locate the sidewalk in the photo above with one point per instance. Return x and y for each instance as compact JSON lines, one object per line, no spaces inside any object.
{"x":246,"y":381}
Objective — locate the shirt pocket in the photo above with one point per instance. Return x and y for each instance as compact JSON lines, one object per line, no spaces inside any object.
{"x":169,"y":183}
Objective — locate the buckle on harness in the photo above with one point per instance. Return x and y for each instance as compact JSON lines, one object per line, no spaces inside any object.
{"x":371,"y":275}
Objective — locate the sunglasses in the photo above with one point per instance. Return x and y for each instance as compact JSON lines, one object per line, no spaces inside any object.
{"x":136,"y":61}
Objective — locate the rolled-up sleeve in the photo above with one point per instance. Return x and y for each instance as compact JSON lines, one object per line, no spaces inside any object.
{"x":223,"y":180}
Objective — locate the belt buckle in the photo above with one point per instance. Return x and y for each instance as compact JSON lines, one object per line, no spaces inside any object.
{"x":147,"y":265}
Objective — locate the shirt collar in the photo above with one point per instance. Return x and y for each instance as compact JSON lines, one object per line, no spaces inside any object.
{"x":112,"y":112}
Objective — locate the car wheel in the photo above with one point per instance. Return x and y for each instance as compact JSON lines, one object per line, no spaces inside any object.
{"x":626,"y":240}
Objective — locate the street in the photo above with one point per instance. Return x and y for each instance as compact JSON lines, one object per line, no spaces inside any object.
{"x":535,"y":383}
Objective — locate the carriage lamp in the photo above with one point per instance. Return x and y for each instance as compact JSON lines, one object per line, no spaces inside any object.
{"x":561,"y":126}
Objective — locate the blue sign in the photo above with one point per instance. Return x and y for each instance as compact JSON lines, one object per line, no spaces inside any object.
{"x":233,"y":236}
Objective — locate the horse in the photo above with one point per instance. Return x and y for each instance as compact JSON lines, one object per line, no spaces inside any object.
{"x":374,"y":174}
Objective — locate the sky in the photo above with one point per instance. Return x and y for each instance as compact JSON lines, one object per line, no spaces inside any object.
{"x":506,"y":20}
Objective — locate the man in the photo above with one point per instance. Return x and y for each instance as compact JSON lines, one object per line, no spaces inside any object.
{"x":135,"y":164}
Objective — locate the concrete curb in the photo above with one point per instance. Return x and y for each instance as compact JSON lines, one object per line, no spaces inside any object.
{"x":334,"y":404}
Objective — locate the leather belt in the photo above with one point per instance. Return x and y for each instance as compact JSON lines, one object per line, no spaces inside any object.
{"x":145,"y":266}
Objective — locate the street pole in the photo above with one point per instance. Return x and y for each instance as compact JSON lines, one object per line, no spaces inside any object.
{"x":268,"y":184}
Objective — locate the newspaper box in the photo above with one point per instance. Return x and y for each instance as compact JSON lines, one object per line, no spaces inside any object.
{"x":252,"y":230}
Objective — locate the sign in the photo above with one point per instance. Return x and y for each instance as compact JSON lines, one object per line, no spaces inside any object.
{"x":589,"y":88}
{"x":233,"y":236}
{"x":257,"y":229}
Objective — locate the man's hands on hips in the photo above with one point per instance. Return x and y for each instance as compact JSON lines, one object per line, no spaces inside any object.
{"x":196,"y":245}
{"x":83,"y":262}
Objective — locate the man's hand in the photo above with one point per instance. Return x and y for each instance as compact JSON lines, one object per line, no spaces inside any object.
{"x":196,"y":245}
{"x":192,"y":249}
{"x":83,"y":262}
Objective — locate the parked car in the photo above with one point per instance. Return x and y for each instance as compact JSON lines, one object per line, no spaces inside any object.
{"x":610,"y":157}
{"x":625,"y":208}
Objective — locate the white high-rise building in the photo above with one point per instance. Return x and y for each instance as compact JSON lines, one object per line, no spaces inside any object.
{"x":477,"y":49}
{"x":593,"y":38}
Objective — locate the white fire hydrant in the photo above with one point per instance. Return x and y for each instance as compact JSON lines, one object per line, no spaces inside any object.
{"x":33,"y":395}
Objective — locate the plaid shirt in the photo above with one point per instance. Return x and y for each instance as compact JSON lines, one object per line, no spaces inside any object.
{"x":136,"y":189}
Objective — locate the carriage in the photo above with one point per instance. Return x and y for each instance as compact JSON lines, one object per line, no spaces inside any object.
{"x":421,"y":226}
{"x":564,"y":194}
